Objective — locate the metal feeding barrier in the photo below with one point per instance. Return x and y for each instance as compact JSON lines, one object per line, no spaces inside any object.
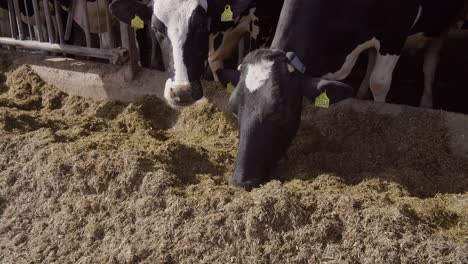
{"x":45,"y":31}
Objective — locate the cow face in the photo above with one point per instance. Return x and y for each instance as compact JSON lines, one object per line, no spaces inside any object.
{"x":181,"y":27}
{"x":267,"y":102}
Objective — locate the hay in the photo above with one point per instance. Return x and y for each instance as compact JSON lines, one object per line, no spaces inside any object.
{"x":99,"y":182}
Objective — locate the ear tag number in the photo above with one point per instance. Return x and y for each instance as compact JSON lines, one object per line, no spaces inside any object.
{"x":322,"y":100}
{"x":137,"y":22}
{"x":227,"y":15}
{"x":230,"y":88}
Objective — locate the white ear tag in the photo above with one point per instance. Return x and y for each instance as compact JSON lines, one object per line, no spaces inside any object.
{"x":296,"y":62}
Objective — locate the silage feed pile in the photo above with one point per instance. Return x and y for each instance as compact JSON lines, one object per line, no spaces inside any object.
{"x":97,"y":182}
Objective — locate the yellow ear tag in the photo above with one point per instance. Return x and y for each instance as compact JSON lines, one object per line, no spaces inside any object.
{"x":227,"y":15}
{"x":322,"y":100}
{"x":230,"y":88}
{"x":137,"y":22}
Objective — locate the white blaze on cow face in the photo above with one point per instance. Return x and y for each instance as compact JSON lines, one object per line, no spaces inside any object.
{"x":258,"y":74}
{"x":175,"y":14}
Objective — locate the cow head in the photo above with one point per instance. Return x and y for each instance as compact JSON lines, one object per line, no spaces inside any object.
{"x":181,"y":27}
{"x":267,"y":102}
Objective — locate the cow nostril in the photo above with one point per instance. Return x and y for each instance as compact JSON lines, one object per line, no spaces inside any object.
{"x":181,"y":94}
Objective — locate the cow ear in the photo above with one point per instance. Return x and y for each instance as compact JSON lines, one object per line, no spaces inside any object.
{"x":126,"y":10}
{"x":335,"y":91}
{"x":226,"y":76}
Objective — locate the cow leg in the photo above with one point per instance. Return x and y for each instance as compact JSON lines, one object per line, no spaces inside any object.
{"x":213,"y":59}
{"x":229,"y":43}
{"x":431,"y":60}
{"x":351,"y":60}
{"x":381,"y":77}
{"x":364,"y":88}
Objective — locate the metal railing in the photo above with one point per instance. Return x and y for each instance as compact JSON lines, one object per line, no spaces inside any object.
{"x":45,"y":30}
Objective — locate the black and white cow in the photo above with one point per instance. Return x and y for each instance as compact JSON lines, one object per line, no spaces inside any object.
{"x":183,"y":29}
{"x":267,"y":102}
{"x":428,"y":34}
{"x":328,"y":36}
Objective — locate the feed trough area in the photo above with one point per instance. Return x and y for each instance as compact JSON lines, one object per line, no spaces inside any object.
{"x":84,"y":181}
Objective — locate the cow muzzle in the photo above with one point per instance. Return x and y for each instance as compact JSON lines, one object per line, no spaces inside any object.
{"x":182,"y":94}
{"x":247,"y":184}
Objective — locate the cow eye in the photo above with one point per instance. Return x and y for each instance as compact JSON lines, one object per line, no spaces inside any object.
{"x":239,"y":67}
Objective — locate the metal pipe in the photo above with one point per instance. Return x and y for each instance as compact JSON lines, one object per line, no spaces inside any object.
{"x":116,"y":56}
{"x":68,"y":28}
{"x":11,"y":13}
{"x":129,"y":42}
{"x":84,"y":10}
{"x":124,"y":35}
{"x":29,"y":23}
{"x":37,"y":17}
{"x":19,"y":23}
{"x":99,"y":24}
{"x":58,"y":17}
{"x":48,"y":22}
{"x":110,"y":32}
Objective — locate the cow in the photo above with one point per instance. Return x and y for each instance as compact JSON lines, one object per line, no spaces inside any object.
{"x":188,"y":30}
{"x":328,"y":36}
{"x":427,"y":36}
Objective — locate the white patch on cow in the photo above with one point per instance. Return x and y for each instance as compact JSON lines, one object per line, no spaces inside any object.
{"x":175,"y":14}
{"x":351,"y":59}
{"x":381,"y":77}
{"x":364,"y":88}
{"x":257,"y":75}
{"x":418,"y":16}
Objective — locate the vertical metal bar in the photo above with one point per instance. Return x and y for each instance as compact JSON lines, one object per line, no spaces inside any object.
{"x":68,"y":28}
{"x":58,"y":17}
{"x":28,"y":17}
{"x":108,"y":24}
{"x":124,"y":35}
{"x":54,"y":27}
{"x":50,"y":31}
{"x":37,"y":17}
{"x":11,"y":12}
{"x":129,"y":42}
{"x":84,"y":9}
{"x":18,"y":19}
{"x":99,"y":23}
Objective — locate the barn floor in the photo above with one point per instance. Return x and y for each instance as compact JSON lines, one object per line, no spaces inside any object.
{"x":100,"y":182}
